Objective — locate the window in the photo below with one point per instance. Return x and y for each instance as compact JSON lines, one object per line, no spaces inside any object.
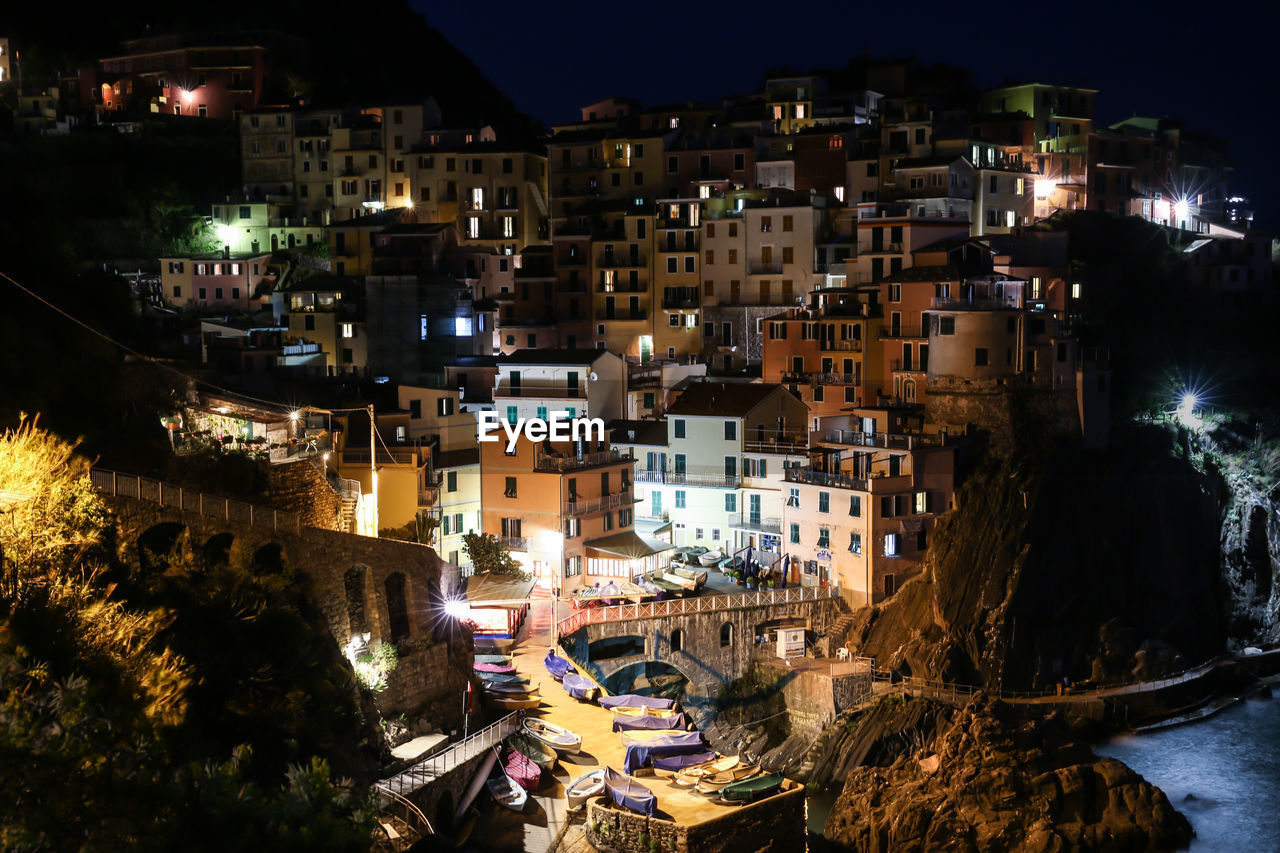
{"x":624,"y":518}
{"x":308,"y":322}
{"x":730,"y":430}
{"x":672,"y":265}
{"x":793,"y":500}
{"x":946,"y":325}
{"x":510,"y":490}
{"x":726,"y":635}
{"x":980,"y":357}
{"x":177,"y":292}
{"x":649,"y":399}
{"x":891,"y":544}
{"x":451,"y":481}
{"x":824,"y":502}
{"x":731,"y":466}
{"x":348,"y":330}
{"x":572,"y":527}
{"x":689,"y":263}
{"x":855,"y":543}
{"x":573,"y":566}
{"x":677,"y":640}
{"x":787,"y":222}
{"x":680,"y":463}
{"x":922,"y":502}
{"x":678,"y":428}
{"x":855,"y":506}
{"x":730,"y":502}
{"x":608,"y":521}
{"x":680,"y":498}
{"x":795,"y":533}
{"x":824,"y":537}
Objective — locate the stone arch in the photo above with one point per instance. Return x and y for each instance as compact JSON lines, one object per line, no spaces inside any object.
{"x":158,"y":541}
{"x":397,"y":588}
{"x":353,"y":584}
{"x":268,"y":559}
{"x":444,"y":810}
{"x":216,"y":550}
{"x":677,"y":640}
{"x":726,"y":635}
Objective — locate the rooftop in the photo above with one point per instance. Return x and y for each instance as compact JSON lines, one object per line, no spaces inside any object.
{"x":553,"y":356}
{"x":650,"y":431}
{"x":727,"y":399}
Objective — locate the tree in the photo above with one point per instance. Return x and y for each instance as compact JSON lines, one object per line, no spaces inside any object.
{"x":488,"y":556}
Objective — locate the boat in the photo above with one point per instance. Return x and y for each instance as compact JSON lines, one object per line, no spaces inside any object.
{"x":713,"y":783}
{"x":499,"y":668}
{"x":699,"y":578}
{"x":494,"y":642}
{"x":634,"y":592}
{"x":687,"y":584}
{"x":502,"y":659}
{"x":649,"y":587}
{"x":587,"y":596}
{"x":499,"y":678}
{"x":585,"y":787}
{"x":691,"y":776}
{"x":521,"y":768}
{"x":635,"y":700}
{"x":509,"y":689}
{"x":710,"y":558}
{"x":507,"y":791}
{"x":665,"y":585}
{"x":608,"y":592}
{"x":641,"y":735}
{"x":534,"y":750}
{"x":667,"y":766}
{"x":641,"y":752}
{"x":579,"y":686}
{"x":650,"y":721}
{"x":749,"y":790}
{"x":514,"y":702}
{"x":629,"y":793}
{"x":557,"y":665}
{"x":634,"y":711}
{"x":558,"y":738}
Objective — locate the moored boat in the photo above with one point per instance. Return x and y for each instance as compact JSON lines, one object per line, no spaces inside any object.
{"x":584,"y":788}
{"x":509,"y":689}
{"x":520,"y":768}
{"x":687,"y":584}
{"x":665,"y":585}
{"x":534,"y":750}
{"x":514,"y":702}
{"x":507,"y":791}
{"x":579,"y":686}
{"x":557,"y":665}
{"x":608,"y":592}
{"x":641,"y":735}
{"x":749,"y":790}
{"x":634,"y":592}
{"x":500,"y":678}
{"x":667,"y":766}
{"x":635,"y":700}
{"x":699,"y":578}
{"x":710,"y":558}
{"x":691,"y":776}
{"x":502,"y":659}
{"x":714,"y":783}
{"x":499,"y":668}
{"x":557,"y":737}
{"x":629,"y":793}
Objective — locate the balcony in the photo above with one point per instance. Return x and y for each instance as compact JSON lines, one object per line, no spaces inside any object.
{"x":765,"y":268}
{"x":587,"y":506}
{"x":515,"y":543}
{"x":701,"y":477}
{"x":901,"y":332}
{"x":879,"y":481}
{"x":820,"y":378}
{"x":549,"y":462}
{"x":385,"y":456}
{"x":673,"y":302}
{"x":553,"y":392}
{"x":851,"y":345}
{"x":874,"y":248}
{"x":889,"y":441}
{"x":1010,"y":304}
{"x":782,"y":444}
{"x":757,"y":523}
{"x":615,"y":262}
{"x":897,"y":365}
{"x":621,"y":287}
{"x":301,"y":349}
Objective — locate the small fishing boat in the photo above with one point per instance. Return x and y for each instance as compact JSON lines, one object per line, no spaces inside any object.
{"x":629,"y":793}
{"x":691,"y":776}
{"x":634,"y":592}
{"x":502,"y":659}
{"x":649,"y":722}
{"x":579,"y":686}
{"x":514,"y":702}
{"x":642,"y":735}
{"x":587,"y":596}
{"x":498,"y":668}
{"x":534,"y":750}
{"x":650,"y":588}
{"x":710,"y":558}
{"x":667,"y":766}
{"x":558,"y":738}
{"x":557,"y":665}
{"x":640,"y":711}
{"x":714,"y":783}
{"x":493,"y":643}
{"x":520,"y":768}
{"x":699,"y":578}
{"x":509,"y":689}
{"x":635,"y":700}
{"x":507,"y":791}
{"x":673,"y":589}
{"x":749,"y":790}
{"x":608,"y":593}
{"x":499,"y":678}
{"x":584,"y":788}
{"x":687,"y":584}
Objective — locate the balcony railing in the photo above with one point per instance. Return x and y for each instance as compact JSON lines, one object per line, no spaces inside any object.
{"x":621,"y":287}
{"x":586,"y":506}
{"x":551,"y":391}
{"x":973,"y":304}
{"x":852,"y":345}
{"x":300,"y":349}
{"x":515,"y":543}
{"x":761,"y":524}
{"x":878,"y":481}
{"x":820,"y":378}
{"x":709,"y":478}
{"x":873,"y":248}
{"x":785,"y":443}
{"x":897,"y":365}
{"x":765,"y":268}
{"x":547,"y":462}
{"x":891,"y":441}
{"x":386,"y":456}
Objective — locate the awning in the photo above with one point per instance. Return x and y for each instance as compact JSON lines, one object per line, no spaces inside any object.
{"x":497,"y":591}
{"x":628,"y":545}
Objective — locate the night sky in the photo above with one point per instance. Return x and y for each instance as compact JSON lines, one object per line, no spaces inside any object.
{"x":1213,"y":65}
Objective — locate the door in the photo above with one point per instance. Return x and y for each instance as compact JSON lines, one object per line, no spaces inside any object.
{"x":515,"y":382}
{"x":895,"y":324}
{"x":753,"y":509}
{"x":646,"y":348}
{"x":655,"y":507}
{"x":571,"y":383}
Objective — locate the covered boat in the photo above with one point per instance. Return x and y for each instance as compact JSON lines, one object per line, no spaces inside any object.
{"x":629,"y":793}
{"x":713,"y":783}
{"x":502,"y":659}
{"x":640,"y":753}
{"x":667,"y":766}
{"x":507,"y":689}
{"x":710,"y":558}
{"x":699,"y":578}
{"x":557,"y":737}
{"x":649,"y":587}
{"x":690,"y":776}
{"x":499,"y":668}
{"x":634,"y":592}
{"x":635,"y":700}
{"x":687,"y":584}
{"x":608,"y":593}
{"x":521,"y":768}
{"x":557,"y":665}
{"x":579,"y":686}
{"x":584,"y":788}
{"x":499,"y":678}
{"x":641,"y":735}
{"x":534,"y":749}
{"x":749,"y":790}
{"x":507,"y":791}
{"x":632,"y":711}
{"x":665,"y":585}
{"x":649,"y":722}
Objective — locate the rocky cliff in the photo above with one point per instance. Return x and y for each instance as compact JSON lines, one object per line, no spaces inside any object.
{"x":992,"y":781}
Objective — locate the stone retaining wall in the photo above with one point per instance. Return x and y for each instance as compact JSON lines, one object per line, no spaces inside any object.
{"x":775,"y":824}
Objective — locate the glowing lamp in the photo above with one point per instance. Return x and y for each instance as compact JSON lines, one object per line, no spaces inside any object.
{"x":1180,"y":210}
{"x":186,"y":95}
{"x":1044,"y":187}
{"x":294,"y":415}
{"x":224,"y":232}
{"x":456,"y":608}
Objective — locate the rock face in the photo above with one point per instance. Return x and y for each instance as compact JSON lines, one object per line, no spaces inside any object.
{"x":994,"y":782}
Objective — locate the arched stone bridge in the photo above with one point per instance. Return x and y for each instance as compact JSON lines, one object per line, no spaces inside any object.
{"x":385,"y":588}
{"x":710,"y":639}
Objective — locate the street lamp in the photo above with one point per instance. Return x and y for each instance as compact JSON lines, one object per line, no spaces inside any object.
{"x":551,"y":542}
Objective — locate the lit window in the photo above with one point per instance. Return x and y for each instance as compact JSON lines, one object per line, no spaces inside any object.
{"x":423,"y":327}
{"x":891,"y":544}
{"x":348,"y":330}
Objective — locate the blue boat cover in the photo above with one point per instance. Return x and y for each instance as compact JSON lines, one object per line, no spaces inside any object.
{"x":639,"y":754}
{"x":634,"y":701}
{"x":649,"y":722}
{"x":578,"y":686}
{"x":629,"y":793}
{"x":557,"y":665}
{"x":675,"y":763}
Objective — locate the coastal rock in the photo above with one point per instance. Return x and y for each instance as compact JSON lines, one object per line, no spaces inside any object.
{"x":1003,"y":784}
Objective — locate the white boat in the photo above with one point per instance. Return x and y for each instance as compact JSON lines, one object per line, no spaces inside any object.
{"x":557,"y":737}
{"x":682,"y":582}
{"x":640,"y":711}
{"x":691,"y":776}
{"x":710,"y":558}
{"x":713,"y":783}
{"x":584,"y":788}
{"x":505,"y":790}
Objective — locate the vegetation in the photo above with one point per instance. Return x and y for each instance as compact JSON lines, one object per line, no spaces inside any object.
{"x":490,"y":557}
{"x":194,"y":705}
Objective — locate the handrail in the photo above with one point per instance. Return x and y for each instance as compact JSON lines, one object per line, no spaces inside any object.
{"x":168,"y":494}
{"x":429,"y":769}
{"x":409,"y":811}
{"x":681,"y":606}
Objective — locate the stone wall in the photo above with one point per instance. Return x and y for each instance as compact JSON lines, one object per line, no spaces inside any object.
{"x":775,"y":824}
{"x":430,"y":680}
{"x":850,"y":690}
{"x":300,"y":487}
{"x":997,"y":406}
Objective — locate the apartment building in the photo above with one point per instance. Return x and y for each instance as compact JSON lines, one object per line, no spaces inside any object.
{"x":245,"y":226}
{"x":676,"y":275}
{"x":223,"y":280}
{"x":581,"y":383}
{"x":186,"y":74}
{"x":325,"y":310}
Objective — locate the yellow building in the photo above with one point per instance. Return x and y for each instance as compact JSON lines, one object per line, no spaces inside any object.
{"x":323,"y":309}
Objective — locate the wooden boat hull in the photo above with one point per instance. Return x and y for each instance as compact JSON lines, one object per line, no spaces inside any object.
{"x":516,"y":690}
{"x":554,"y":737}
{"x":514,"y":703}
{"x":713,"y":784}
{"x":689,"y":777}
{"x":641,"y":735}
{"x":508,"y":794}
{"x":584,"y":788}
{"x":710,"y":558}
{"x":750,"y":790}
{"x":501,"y":644}
{"x":534,"y":750}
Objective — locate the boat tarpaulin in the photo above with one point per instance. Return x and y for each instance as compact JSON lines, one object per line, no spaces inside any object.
{"x":633,"y":700}
{"x":675,"y":763}
{"x":629,"y":793}
{"x":639,"y":754}
{"x":623,"y":723}
{"x":557,"y":665}
{"x":520,"y":768}
{"x":578,"y":686}
{"x":499,"y":668}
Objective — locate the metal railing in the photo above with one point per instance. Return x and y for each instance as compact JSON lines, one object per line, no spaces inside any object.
{"x":685,"y":478}
{"x":700,"y":604}
{"x":763,"y":524}
{"x":167,"y":494}
{"x":547,"y":462}
{"x":889,"y":441}
{"x":559,"y":392}
{"x":515,"y":543}
{"x":778,"y":444}
{"x":582,"y":507}
{"x":429,"y":769}
{"x":851,"y":345}
{"x":389,"y":802}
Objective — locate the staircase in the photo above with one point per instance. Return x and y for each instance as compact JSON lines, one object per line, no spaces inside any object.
{"x":349,"y":494}
{"x":834,"y":637}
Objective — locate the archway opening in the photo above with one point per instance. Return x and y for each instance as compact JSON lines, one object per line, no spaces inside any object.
{"x":677,"y":640}
{"x":216,"y":550}
{"x":269,"y":559}
{"x":156,"y":544}
{"x":353,"y":586}
{"x":649,"y":678}
{"x":397,"y":607}
{"x":726,"y":635}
